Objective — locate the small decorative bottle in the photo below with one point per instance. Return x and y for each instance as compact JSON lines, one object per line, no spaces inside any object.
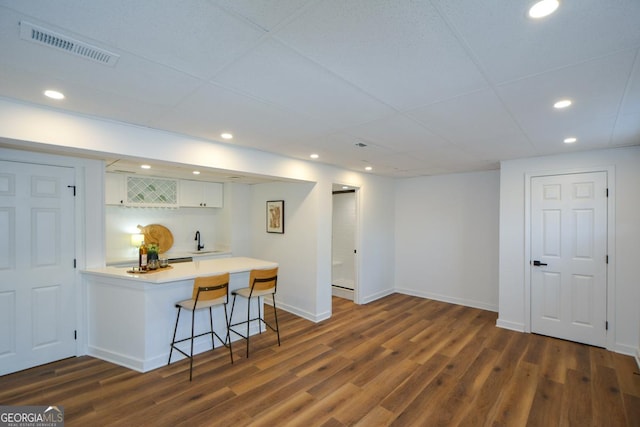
{"x":142,"y":259}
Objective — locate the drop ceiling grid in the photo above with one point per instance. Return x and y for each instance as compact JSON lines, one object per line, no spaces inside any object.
{"x":399,"y":52}
{"x":214,"y":109}
{"x":594,"y":107}
{"x":277,"y":74}
{"x":196,"y":40}
{"x":411,"y":78}
{"x":577,"y":32}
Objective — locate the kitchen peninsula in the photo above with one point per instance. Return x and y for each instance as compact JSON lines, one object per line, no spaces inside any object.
{"x":132,"y":316}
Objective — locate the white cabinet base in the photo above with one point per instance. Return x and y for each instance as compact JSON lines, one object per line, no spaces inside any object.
{"x":131,"y":323}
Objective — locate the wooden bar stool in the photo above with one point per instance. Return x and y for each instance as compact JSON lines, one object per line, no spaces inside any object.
{"x":207,"y":292}
{"x":261,"y":283}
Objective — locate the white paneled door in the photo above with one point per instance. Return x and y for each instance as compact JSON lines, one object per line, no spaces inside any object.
{"x":568,"y":250}
{"x":37,"y":307}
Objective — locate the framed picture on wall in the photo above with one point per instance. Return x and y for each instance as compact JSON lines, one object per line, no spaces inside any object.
{"x":275,"y":216}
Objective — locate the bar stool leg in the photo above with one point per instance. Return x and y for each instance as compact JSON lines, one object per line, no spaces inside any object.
{"x":173,"y":341}
{"x":275,"y":314}
{"x":213,"y":346}
{"x":228,"y":337}
{"x":248,"y":323}
{"x":193,"y":322}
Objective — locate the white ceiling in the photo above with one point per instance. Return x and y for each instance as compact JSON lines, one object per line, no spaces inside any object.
{"x":430,"y":87}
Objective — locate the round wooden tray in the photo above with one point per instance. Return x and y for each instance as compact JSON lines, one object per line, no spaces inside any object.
{"x":158,"y":234}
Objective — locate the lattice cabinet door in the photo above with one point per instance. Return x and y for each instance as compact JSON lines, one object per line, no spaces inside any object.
{"x":147,"y":191}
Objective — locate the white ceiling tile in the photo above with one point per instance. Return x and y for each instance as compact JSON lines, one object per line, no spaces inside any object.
{"x":277,"y":74}
{"x":266,"y":14}
{"x":431,"y":86}
{"x":399,"y":51}
{"x":213,"y":110}
{"x":509,"y":45}
{"x":627,"y":130}
{"x":398,"y":133}
{"x":596,"y":88}
{"x":631,"y":102}
{"x":477,"y":122}
{"x":197,"y":38}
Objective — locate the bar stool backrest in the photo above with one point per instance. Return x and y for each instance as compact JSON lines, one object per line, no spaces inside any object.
{"x":211,"y":287}
{"x":263,"y":280}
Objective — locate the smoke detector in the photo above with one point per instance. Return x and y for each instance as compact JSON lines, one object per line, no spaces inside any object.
{"x":46,"y":37}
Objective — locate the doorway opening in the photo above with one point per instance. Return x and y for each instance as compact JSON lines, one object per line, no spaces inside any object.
{"x":343,"y":242}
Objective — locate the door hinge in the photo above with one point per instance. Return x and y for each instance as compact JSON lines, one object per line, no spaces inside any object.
{"x":606,"y":325}
{"x":75,"y":334}
{"x":74,"y":189}
{"x":607,"y":192}
{"x":74,"y":263}
{"x":607,"y":259}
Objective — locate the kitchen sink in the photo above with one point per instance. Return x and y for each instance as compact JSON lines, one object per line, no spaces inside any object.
{"x":204,"y":252}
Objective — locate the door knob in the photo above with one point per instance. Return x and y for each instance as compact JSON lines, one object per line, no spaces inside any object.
{"x":538,"y":263}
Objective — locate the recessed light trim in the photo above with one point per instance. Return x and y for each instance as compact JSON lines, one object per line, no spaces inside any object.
{"x":570,"y":140}
{"x":563,"y":103}
{"x":53,"y":94}
{"x":543,"y":8}
{"x":226,"y":135}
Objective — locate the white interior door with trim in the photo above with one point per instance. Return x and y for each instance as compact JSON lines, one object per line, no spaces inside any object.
{"x":37,"y":298}
{"x":569,"y":257}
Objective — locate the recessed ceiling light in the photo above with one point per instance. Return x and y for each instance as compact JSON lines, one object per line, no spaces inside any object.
{"x":570,"y":140}
{"x":563,"y":103}
{"x":344,"y":187}
{"x":196,"y":172}
{"x":368,"y":168}
{"x":145,"y":166}
{"x":314,"y":156}
{"x":53,"y":94}
{"x":543,"y":8}
{"x":226,"y":135}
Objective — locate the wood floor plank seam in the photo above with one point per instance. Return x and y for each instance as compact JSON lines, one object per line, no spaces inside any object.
{"x":400,"y":360}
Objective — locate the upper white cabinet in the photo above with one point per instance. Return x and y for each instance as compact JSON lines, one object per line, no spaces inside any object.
{"x":115,"y":184}
{"x":129,"y":190}
{"x":200,"y":194}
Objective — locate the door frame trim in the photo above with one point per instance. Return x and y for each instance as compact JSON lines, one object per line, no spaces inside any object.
{"x":611,"y":233}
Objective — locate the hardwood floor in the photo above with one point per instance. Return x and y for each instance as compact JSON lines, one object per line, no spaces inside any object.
{"x":399,"y":361}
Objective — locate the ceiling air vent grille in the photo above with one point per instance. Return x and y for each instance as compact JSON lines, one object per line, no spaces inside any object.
{"x":43,"y":36}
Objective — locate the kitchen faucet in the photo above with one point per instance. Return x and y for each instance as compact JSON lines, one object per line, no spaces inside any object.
{"x":198,"y":239}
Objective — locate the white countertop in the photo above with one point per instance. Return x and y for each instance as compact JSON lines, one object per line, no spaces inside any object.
{"x":185,"y":270}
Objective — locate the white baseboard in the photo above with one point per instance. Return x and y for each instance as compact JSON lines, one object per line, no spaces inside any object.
{"x":301,"y":313}
{"x":159,"y":360}
{"x":376,"y":296}
{"x":512,"y":326}
{"x":444,"y":298}
{"x":342,"y":293}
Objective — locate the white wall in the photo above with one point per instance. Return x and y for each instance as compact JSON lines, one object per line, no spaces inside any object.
{"x":308,"y":281}
{"x":624,"y":251}
{"x":446,"y":233}
{"x":295,"y":250}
